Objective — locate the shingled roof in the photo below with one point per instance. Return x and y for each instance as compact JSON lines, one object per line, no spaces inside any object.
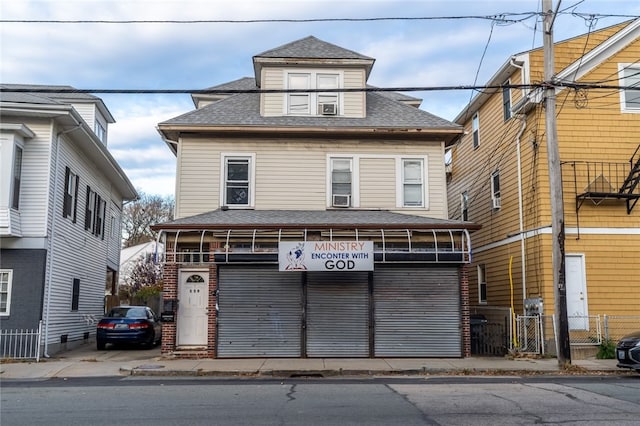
{"x":374,"y":219}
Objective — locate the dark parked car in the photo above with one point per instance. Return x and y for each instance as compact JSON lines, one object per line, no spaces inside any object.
{"x":129,"y":324}
{"x":628,"y":351}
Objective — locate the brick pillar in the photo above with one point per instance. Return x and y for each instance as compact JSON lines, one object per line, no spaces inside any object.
{"x":213,"y":314}
{"x":169,"y":292}
{"x":464,"y":310}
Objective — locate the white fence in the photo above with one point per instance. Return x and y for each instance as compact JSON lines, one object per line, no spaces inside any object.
{"x":21,"y":344}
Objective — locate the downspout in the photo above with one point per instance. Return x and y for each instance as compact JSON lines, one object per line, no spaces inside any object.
{"x":51,"y":246}
{"x":523,"y":118}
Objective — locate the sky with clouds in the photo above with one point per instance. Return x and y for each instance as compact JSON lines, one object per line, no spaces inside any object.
{"x":181,"y":56}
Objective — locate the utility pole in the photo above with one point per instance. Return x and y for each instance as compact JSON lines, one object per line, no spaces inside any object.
{"x":555,"y":184}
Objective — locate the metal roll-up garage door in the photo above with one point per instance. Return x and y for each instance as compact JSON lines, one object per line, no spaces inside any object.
{"x":417,"y":312}
{"x":260,"y":312}
{"x":337,"y":314}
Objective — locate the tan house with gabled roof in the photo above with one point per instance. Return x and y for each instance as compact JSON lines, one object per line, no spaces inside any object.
{"x":311,"y":218}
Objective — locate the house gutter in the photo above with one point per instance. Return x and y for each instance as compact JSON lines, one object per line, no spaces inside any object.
{"x":47,"y":311}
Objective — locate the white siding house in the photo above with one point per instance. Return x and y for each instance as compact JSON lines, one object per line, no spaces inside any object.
{"x":60,"y":209}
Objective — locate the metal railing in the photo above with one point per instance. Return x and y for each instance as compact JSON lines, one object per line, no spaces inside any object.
{"x":21,"y":343}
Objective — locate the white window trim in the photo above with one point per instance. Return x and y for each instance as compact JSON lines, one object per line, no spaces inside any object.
{"x":9,"y":273}
{"x":496,"y":200}
{"x":313,"y":96}
{"x":475,"y":118}
{"x":507,"y":83}
{"x":223,"y":179}
{"x":464,"y":205}
{"x":623,"y":105}
{"x":400,"y":182}
{"x":355,"y":179}
{"x":482,"y":273}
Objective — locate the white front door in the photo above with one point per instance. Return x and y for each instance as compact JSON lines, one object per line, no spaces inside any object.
{"x":193,"y":298}
{"x":577,"y":307}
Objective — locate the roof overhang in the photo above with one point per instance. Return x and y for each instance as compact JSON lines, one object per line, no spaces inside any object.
{"x":260,"y":62}
{"x":171,"y":134}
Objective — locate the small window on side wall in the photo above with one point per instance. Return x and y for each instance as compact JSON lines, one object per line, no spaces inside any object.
{"x":506,"y":100}
{"x":464,"y":205}
{"x":17,"y":176}
{"x":475,"y":123}
{"x":75,"y":294}
{"x":482,"y":284}
{"x":496,"y":200}
{"x":6,"y":279}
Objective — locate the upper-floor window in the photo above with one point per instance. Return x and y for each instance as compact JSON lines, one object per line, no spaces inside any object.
{"x":6,"y":278}
{"x":17,"y":175}
{"x":94,"y":213}
{"x":464,"y":205}
{"x":70,"y":203}
{"x":237,"y":180}
{"x":482,"y":284}
{"x":100,"y":131}
{"x":413,"y":182}
{"x":506,"y":100}
{"x":475,"y":123}
{"x":496,"y":201}
{"x":341,"y":182}
{"x":630,"y":79}
{"x":312,"y":103}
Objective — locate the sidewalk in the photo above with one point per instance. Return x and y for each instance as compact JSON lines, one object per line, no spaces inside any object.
{"x":85,"y":362}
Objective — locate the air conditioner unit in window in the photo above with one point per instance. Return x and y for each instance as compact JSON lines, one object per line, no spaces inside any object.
{"x":497,"y":203}
{"x":328,"y":109}
{"x":341,"y":200}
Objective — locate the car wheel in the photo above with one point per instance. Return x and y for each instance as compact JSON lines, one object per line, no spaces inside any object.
{"x":101,"y":345}
{"x":151,"y":342}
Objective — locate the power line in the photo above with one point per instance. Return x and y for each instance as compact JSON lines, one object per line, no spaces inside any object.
{"x":530,"y":86}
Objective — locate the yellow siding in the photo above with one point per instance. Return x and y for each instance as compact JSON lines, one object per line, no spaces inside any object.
{"x":591,"y":128}
{"x":292,"y":174}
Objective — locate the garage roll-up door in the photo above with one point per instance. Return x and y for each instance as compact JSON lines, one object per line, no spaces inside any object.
{"x":417,"y":312}
{"x":260,"y":312}
{"x":337,"y":314}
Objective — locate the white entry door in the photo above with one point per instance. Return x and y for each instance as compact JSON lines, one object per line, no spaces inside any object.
{"x":577,"y":306}
{"x":193,"y":297}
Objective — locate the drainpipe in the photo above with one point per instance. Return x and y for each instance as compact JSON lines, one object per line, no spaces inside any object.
{"x":51,"y":246}
{"x":523,"y":271}
{"x":523,"y":118}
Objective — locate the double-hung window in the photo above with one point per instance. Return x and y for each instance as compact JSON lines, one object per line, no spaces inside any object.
{"x":506,"y":100}
{"x":17,"y":175}
{"x":341,"y":182}
{"x":475,"y":124}
{"x":495,"y":190}
{"x":300,"y":102}
{"x":237,"y":189}
{"x":482,"y":284}
{"x":464,"y":205}
{"x":100,"y":132}
{"x":413,"y":183}
{"x":70,"y":203}
{"x":630,"y":79}
{"x":6,"y":277}
{"x":94,"y":213}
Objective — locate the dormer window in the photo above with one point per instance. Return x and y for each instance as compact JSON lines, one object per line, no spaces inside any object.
{"x":313,"y":103}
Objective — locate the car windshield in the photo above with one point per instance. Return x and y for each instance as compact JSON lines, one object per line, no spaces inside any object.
{"x":128,"y":313}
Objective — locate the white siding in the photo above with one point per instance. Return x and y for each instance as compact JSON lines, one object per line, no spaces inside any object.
{"x":354,"y":102}
{"x":272,"y":104}
{"x":88,"y":113}
{"x":292,"y":174}
{"x":76,"y":252}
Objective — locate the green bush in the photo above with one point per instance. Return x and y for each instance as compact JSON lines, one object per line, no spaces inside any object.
{"x":607,"y":349}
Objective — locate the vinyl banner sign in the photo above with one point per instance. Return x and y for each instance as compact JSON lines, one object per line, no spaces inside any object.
{"x":326,"y":256}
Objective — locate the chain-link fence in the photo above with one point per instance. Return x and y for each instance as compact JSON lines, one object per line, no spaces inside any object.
{"x":538,"y":334}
